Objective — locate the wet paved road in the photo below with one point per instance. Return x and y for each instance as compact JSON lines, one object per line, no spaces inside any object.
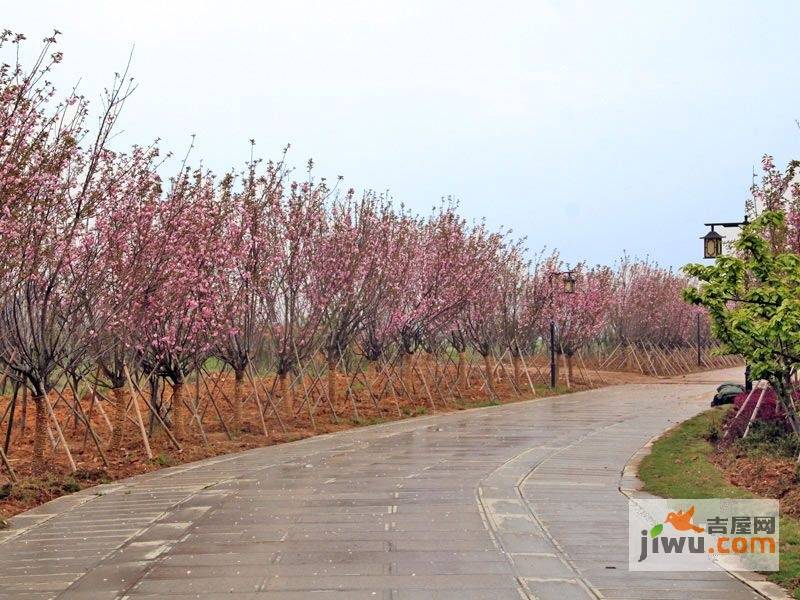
{"x":486,"y":504}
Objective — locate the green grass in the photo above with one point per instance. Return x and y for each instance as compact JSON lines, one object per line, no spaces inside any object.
{"x":679,"y":467}
{"x":413,"y":411}
{"x":363,"y":421}
{"x":164,"y":460}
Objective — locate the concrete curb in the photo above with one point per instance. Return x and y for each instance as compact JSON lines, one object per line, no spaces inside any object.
{"x":755,"y":581}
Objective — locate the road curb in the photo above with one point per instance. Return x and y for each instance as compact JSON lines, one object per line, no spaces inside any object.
{"x":755,"y":581}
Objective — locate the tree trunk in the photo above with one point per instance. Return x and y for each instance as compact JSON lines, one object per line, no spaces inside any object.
{"x":783,"y":388}
{"x":10,"y":426}
{"x":556,"y":369}
{"x":332,"y":381}
{"x":39,"y":466}
{"x":120,"y":411}
{"x":156,"y":401}
{"x":402,"y":372}
{"x":488,"y":366}
{"x":293,"y":401}
{"x":515,"y":363}
{"x":177,"y":410}
{"x":238,"y":378}
{"x":569,"y":367}
{"x":24,"y":409}
{"x":460,"y":375}
{"x":285,"y":396}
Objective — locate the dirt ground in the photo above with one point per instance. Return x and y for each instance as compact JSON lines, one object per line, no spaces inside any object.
{"x":764,"y":476}
{"x":282,"y":425}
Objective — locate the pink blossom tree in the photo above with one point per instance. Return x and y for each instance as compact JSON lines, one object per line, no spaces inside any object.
{"x":53,"y":175}
{"x":298,"y":307}
{"x":579,"y":317}
{"x":778,"y":191}
{"x":350,"y":272}
{"x":647,"y":307}
{"x":123,"y":252}
{"x":250,"y":292}
{"x":183,"y":317}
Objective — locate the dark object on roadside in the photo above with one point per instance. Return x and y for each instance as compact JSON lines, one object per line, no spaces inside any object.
{"x":726,"y":393}
{"x":5,"y":491}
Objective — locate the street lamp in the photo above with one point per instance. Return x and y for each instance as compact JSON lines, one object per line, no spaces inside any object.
{"x":712,"y":244}
{"x":568,"y":287}
{"x":569,"y":282}
{"x":712,"y":241}
{"x":712,"y":248}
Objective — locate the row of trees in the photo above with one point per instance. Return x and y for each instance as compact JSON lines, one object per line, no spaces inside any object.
{"x":110,"y":274}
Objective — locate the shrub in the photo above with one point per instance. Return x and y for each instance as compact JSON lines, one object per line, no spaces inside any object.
{"x":769,"y":411}
{"x":714,"y":433}
{"x":769,"y":438}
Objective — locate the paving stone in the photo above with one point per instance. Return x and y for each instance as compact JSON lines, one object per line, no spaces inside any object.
{"x":557,"y":590}
{"x":543,"y":566}
{"x":459,"y":506}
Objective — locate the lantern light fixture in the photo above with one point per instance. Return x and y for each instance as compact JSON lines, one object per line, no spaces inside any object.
{"x":712,"y":241}
{"x":712,"y":244}
{"x":569,"y":283}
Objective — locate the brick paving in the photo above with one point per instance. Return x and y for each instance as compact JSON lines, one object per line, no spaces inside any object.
{"x":488,"y":504}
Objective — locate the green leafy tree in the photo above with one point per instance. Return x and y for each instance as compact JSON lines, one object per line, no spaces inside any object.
{"x":753,"y":299}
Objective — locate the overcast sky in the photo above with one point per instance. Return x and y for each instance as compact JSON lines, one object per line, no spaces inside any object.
{"x":594,"y":127}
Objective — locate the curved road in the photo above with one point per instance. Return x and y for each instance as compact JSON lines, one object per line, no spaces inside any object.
{"x":490,"y":503}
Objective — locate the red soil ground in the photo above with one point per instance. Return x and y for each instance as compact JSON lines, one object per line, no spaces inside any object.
{"x":131,"y":458}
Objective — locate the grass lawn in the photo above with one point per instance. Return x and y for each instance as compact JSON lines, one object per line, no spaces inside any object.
{"x":679,"y":467}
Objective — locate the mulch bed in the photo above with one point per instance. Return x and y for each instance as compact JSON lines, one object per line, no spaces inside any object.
{"x":764,"y":476}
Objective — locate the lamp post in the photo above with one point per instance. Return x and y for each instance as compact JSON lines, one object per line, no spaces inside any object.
{"x":568,"y":287}
{"x":712,"y":248}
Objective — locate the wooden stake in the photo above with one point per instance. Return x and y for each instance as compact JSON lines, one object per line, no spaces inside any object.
{"x":103,"y":413}
{"x":60,"y":433}
{"x":151,"y":408}
{"x":566,"y":370}
{"x":258,"y":402}
{"x":754,"y":414}
{"x":13,"y":407}
{"x":527,"y":375}
{"x":214,"y":404}
{"x":138,"y":413}
{"x":324,"y":394}
{"x":499,"y":364}
{"x":596,"y":372}
{"x":86,"y":422}
{"x":9,"y":468}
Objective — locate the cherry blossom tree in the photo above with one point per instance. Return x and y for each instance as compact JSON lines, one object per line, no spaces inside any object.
{"x":579,"y":317}
{"x":647,"y":307}
{"x":778,"y":191}
{"x":298,"y":308}
{"x":250,"y":291}
{"x":350,"y":272}
{"x":183,"y":317}
{"x":53,"y":175}
{"x":124,"y":252}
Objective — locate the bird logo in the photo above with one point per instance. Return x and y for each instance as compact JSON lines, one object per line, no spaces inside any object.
{"x":681,"y":521}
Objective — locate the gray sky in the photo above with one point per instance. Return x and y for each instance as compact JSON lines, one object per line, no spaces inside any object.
{"x":594,"y":127}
